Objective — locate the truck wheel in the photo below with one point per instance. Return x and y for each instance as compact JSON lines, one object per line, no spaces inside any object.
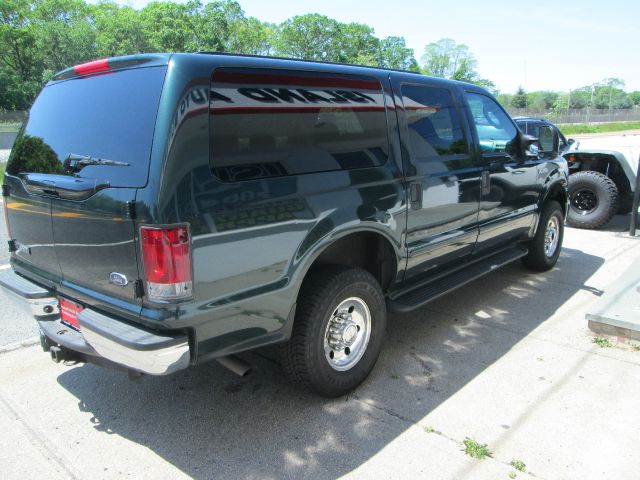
{"x":337,"y":335}
{"x":545,"y":246}
{"x":593,"y":199}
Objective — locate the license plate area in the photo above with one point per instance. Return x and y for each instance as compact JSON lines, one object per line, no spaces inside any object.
{"x":69,"y":313}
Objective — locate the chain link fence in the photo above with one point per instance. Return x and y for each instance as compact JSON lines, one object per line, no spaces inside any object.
{"x":582,"y":115}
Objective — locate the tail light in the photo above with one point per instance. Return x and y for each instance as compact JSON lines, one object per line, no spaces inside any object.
{"x":166,"y":255}
{"x":91,"y":68}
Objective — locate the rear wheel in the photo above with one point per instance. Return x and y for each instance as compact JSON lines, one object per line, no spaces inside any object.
{"x":338,"y":330}
{"x":545,"y":246}
{"x":593,"y":199}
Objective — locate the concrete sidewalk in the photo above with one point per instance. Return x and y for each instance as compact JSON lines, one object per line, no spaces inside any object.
{"x":507,"y":360}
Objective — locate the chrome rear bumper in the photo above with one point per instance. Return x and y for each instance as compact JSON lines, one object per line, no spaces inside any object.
{"x":100,"y":335}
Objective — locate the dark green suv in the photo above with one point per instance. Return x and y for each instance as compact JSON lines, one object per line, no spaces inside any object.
{"x":165,"y":210}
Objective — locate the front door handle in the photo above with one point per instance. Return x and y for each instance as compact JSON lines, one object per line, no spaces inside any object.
{"x":486,"y":182}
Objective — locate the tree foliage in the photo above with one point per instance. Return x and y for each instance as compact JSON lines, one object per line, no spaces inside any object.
{"x":41,"y":37}
{"x":448,"y":59}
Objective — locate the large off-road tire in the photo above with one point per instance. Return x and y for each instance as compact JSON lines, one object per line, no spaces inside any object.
{"x":545,"y":246}
{"x":338,"y":330}
{"x":593,"y":199}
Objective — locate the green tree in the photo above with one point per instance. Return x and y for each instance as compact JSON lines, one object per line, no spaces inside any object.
{"x":542,"y":100}
{"x":172,"y":27}
{"x":393,"y":53}
{"x":356,"y":44}
{"x":119,"y":30}
{"x":519,"y":100}
{"x":20,"y":71}
{"x":312,"y":37}
{"x":504,"y":99}
{"x":610,"y":95}
{"x":251,"y":36}
{"x":445,"y":58}
{"x":448,"y":59}
{"x":64,"y":33}
{"x":634,"y":97}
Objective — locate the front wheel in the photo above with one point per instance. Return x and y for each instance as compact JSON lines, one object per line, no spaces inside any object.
{"x":545,"y":246}
{"x":338,"y":330}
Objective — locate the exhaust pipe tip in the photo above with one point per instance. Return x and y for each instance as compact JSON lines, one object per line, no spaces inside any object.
{"x":235,"y":364}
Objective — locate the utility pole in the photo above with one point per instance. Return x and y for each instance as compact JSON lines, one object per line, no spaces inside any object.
{"x":593,"y":90}
{"x":610,"y":92}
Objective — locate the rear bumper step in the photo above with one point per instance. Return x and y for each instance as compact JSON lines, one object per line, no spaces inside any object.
{"x":100,"y":335}
{"x":36,"y":300}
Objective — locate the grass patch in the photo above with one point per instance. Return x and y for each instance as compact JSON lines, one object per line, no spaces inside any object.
{"x":10,"y":126}
{"x":636,"y":347}
{"x":512,"y":474}
{"x":518,"y":465}
{"x":429,"y":429}
{"x":475,"y":449}
{"x":2,"y":165}
{"x":602,"y":342}
{"x":599,"y":128}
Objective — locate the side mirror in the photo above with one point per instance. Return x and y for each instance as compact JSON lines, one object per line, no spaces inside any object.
{"x":529,"y":145}
{"x":548,"y":139}
{"x":545,"y":146}
{"x":571,"y":141}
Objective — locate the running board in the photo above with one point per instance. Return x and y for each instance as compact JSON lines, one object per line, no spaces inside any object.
{"x":421,"y":295}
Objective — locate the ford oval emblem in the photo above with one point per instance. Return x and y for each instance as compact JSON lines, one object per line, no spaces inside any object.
{"x":118,"y":279}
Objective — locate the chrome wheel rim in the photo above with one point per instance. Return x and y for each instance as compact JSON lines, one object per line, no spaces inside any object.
{"x":551,"y":236}
{"x":347,"y":334}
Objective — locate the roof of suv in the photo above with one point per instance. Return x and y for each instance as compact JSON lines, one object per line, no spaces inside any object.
{"x":132,"y":61}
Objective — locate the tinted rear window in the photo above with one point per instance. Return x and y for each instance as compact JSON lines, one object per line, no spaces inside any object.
{"x":268,"y":123}
{"x":108,"y":117}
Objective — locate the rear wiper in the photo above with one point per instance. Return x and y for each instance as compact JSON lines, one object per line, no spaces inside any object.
{"x":75,"y":163}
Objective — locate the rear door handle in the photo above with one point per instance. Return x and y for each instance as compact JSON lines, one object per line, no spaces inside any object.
{"x":486,"y":182}
{"x":39,"y":184}
{"x":75,"y":188}
{"x":62,"y":186}
{"x":415,"y":195}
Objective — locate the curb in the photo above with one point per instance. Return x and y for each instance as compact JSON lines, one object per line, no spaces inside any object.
{"x":29,"y":342}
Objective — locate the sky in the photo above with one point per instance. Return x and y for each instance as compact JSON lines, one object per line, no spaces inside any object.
{"x":539,"y":45}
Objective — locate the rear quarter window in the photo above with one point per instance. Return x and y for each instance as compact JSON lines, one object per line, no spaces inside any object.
{"x":267,"y":123}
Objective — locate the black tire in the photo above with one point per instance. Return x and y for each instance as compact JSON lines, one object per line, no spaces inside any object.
{"x":593,"y":199}
{"x":540,"y":258}
{"x":304,"y":358}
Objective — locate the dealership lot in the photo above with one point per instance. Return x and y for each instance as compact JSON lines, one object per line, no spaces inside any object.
{"x":507,"y":361}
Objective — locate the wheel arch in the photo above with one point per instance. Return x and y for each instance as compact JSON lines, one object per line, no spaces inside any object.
{"x":600,"y":160}
{"x":368,"y":249}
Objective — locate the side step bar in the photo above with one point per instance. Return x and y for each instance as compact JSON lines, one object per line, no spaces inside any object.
{"x":423,"y":294}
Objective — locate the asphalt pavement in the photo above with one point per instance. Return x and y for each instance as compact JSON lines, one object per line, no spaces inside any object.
{"x":507,"y":361}
{"x":16,"y":326}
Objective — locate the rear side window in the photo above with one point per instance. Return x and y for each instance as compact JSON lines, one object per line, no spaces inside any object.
{"x":267,"y":123}
{"x":107,"y":117}
{"x":433,"y":121}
